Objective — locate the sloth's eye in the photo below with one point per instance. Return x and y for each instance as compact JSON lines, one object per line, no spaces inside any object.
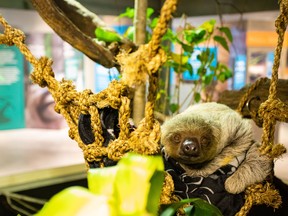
{"x":204,"y":141}
{"x":177,"y":138}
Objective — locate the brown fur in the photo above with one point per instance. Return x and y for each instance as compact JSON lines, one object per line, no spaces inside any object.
{"x":222,"y":135}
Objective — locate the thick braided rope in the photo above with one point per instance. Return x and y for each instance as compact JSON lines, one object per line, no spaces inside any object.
{"x":273,"y":105}
{"x":136,"y":67}
{"x":260,"y":194}
{"x":270,"y":111}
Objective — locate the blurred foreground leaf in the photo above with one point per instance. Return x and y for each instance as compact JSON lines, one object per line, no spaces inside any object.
{"x":132,"y":187}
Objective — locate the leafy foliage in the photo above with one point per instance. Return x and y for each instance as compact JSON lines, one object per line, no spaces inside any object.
{"x":132,"y":187}
{"x":196,"y":207}
{"x":186,"y":42}
{"x":207,"y":74}
{"x":151,"y":23}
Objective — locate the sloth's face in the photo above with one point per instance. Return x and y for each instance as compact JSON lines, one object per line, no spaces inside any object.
{"x":190,"y":141}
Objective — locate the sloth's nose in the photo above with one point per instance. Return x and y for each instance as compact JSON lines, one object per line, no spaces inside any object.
{"x":191,"y":147}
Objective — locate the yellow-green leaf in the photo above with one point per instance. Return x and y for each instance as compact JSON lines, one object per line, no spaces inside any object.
{"x":133,"y":182}
{"x":180,"y":59}
{"x":101,"y":181}
{"x":209,"y":25}
{"x":78,"y":201}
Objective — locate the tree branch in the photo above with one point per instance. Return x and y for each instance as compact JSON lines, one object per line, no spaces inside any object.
{"x":76,"y":25}
{"x":259,"y":95}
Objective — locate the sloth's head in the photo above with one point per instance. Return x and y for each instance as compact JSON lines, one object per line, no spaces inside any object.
{"x":191,"y":139}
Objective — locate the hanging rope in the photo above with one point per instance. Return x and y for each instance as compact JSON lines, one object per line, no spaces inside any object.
{"x":270,"y":111}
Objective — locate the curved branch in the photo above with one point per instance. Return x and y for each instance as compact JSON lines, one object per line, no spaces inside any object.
{"x":76,"y":25}
{"x":232,"y":97}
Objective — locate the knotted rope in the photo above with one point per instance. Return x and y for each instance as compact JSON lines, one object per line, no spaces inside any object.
{"x":270,"y":111}
{"x":136,"y":68}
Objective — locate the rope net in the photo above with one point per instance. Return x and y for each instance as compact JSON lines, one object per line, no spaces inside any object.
{"x":136,"y":68}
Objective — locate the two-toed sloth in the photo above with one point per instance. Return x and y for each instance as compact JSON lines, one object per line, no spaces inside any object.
{"x":208,"y":136}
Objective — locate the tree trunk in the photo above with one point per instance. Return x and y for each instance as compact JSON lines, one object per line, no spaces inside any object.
{"x":139,"y":38}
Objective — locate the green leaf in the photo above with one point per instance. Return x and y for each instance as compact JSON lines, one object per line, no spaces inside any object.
{"x":208,"y":79}
{"x":100,"y":181}
{"x":173,"y":107}
{"x":187,"y":48}
{"x":227,"y":32}
{"x":210,"y":57}
{"x":179,"y":68}
{"x":132,"y":183}
{"x":223,"y":76}
{"x":189,"y":67}
{"x":154,"y":22}
{"x":155,"y":192}
{"x":106,"y":35}
{"x":158,"y":96}
{"x":197,"y":97}
{"x":200,"y":208}
{"x":129,"y":33}
{"x":170,"y":36}
{"x":149,"y":12}
{"x":201,"y":71}
{"x":195,"y":35}
{"x":74,"y":200}
{"x":212,"y":68}
{"x":160,"y":93}
{"x":189,"y":210}
{"x":128,"y":13}
{"x":132,"y":187}
{"x":221,"y":40}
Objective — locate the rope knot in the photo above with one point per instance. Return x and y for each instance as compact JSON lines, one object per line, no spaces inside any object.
{"x":258,"y":194}
{"x":282,"y":20}
{"x":65,"y":92}
{"x":84,"y":101}
{"x":42,"y":72}
{"x":145,"y":139}
{"x":111,"y":96}
{"x":93,"y":152}
{"x":273,"y":109}
{"x":13,"y":36}
{"x":272,"y":150}
{"x":156,"y":61}
{"x":117,"y":148}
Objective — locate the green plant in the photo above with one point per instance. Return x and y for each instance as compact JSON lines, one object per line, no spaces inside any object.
{"x":186,"y":42}
{"x":210,"y":70}
{"x":132,"y":187}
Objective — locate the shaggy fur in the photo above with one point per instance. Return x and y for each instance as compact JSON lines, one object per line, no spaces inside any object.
{"x":221,"y":135}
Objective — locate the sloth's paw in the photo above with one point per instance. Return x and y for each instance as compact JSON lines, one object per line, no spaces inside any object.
{"x":234,"y":185}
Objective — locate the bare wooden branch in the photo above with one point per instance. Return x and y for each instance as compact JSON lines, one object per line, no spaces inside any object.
{"x":76,"y":25}
{"x":259,"y":95}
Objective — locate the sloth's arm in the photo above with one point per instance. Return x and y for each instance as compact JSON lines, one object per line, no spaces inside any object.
{"x":255,"y":168}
